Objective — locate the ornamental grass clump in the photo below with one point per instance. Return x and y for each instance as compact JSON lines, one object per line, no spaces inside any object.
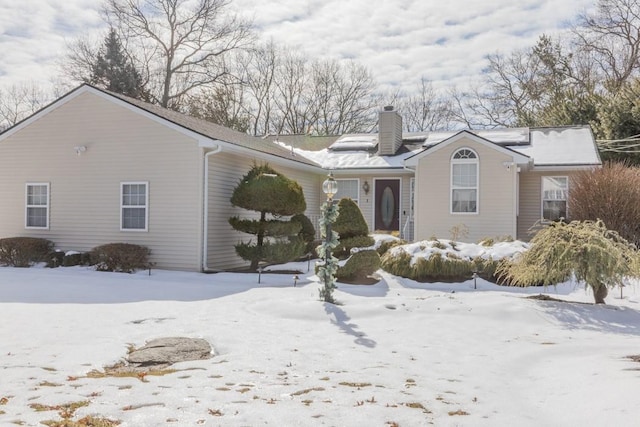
{"x":447,"y":261}
{"x":585,"y":250}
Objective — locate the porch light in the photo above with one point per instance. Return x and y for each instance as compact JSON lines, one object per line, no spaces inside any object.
{"x":327,"y":270}
{"x":330,"y":187}
{"x":366,"y":188}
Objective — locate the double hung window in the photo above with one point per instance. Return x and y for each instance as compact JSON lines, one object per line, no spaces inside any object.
{"x":464,"y":181}
{"x":134,"y":206}
{"x":37,"y":205}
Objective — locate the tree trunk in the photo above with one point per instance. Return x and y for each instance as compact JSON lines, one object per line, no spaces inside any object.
{"x":259,"y":243}
{"x":600,"y":292}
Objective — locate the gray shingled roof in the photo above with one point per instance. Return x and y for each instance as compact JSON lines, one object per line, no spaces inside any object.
{"x":212,"y":130}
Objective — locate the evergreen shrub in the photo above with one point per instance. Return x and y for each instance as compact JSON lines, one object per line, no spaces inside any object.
{"x":276,"y":252}
{"x":343,"y":250}
{"x":24,"y":251}
{"x":77,"y":258}
{"x":56,"y":259}
{"x":120,"y":257}
{"x":352,"y":229}
{"x":350,"y":222}
{"x":359,"y":266}
{"x":273,"y":196}
{"x":436,"y":268}
{"x":307,"y":232}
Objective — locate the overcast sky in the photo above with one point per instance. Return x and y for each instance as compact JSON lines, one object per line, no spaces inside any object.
{"x":399,"y":40}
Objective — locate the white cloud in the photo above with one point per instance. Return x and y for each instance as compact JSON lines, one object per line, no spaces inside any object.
{"x":399,"y":40}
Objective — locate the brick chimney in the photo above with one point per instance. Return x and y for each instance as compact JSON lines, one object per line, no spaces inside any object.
{"x":389,"y":131}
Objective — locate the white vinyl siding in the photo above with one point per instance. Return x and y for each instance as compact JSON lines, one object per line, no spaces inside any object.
{"x":554,"y":197}
{"x":85,"y":199}
{"x":496,"y":206}
{"x":348,"y":188}
{"x":134,"y":206}
{"x":37,"y":205}
{"x":464,"y":182}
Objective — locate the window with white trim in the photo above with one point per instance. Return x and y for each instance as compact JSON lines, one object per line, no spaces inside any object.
{"x":464,"y":181}
{"x":134,"y":206}
{"x":37,"y":205}
{"x":348,"y":188}
{"x":554,"y":197}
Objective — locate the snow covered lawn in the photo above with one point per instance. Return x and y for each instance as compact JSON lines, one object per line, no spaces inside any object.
{"x":396,"y":353}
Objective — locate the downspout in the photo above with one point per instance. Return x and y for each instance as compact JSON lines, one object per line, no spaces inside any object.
{"x":205,"y":222}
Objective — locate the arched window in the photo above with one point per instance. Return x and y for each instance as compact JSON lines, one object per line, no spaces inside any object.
{"x":464,"y":181}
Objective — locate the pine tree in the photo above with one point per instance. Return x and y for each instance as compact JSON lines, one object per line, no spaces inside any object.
{"x":114,"y":70}
{"x":273,"y":195}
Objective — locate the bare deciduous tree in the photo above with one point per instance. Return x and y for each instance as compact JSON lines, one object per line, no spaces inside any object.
{"x":424,"y":109}
{"x":184,"y":43}
{"x":20,"y":100}
{"x":344,"y":96}
{"x":612,"y":34}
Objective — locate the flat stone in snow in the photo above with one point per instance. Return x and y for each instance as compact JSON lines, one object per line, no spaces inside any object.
{"x":171,"y":350}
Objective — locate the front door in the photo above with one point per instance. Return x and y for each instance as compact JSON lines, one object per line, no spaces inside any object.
{"x":387,"y":211}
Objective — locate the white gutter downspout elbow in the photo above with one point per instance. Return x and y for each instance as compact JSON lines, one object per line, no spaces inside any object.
{"x":205,"y":234}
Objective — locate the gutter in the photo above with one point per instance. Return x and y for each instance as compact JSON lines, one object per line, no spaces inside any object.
{"x":205,"y":200}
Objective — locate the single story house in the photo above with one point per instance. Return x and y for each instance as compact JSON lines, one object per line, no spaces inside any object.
{"x":96,"y":167}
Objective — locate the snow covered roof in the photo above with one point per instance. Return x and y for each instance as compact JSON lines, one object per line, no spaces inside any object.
{"x":355,"y":142}
{"x":503,"y":136}
{"x":546,"y":147}
{"x":353,"y":159}
{"x":561,"y":146}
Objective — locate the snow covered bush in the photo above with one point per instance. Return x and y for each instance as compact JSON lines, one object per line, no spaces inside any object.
{"x":120,"y":257}
{"x":385,"y":245}
{"x":447,"y":261}
{"x":24,"y":251}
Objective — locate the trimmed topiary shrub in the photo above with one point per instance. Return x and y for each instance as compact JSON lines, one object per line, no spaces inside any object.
{"x":350,"y":222}
{"x":307,"y":232}
{"x":359,"y":266}
{"x":352,"y":229}
{"x":273,"y":195}
{"x":343,"y":250}
{"x":120,"y":257}
{"x":277,"y":252}
{"x":24,"y":251}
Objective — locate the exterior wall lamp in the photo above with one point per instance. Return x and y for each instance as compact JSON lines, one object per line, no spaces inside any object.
{"x":366,"y":188}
